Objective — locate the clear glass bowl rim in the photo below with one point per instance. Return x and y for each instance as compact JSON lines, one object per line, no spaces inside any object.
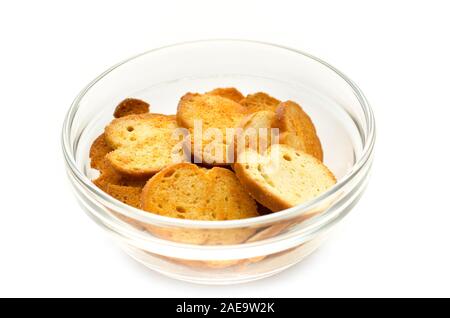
{"x":151,"y":218}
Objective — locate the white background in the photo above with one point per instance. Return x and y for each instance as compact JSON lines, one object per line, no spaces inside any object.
{"x":394,"y":243}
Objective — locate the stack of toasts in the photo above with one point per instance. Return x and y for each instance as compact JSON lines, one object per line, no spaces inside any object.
{"x":176,"y":166}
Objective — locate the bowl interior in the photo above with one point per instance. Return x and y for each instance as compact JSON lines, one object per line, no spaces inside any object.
{"x":162,"y":76}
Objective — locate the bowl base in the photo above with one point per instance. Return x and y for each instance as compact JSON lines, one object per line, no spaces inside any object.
{"x":232,"y":272}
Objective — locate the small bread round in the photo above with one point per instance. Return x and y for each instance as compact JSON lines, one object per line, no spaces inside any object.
{"x":282,"y":177}
{"x":131,"y":106}
{"x":214,"y":114}
{"x":259,"y":101}
{"x":144,"y":144}
{"x":186,"y":191}
{"x":108,"y":175}
{"x":133,"y":129}
{"x":256,"y":131}
{"x":297,"y":129}
{"x":126,"y":190}
{"x":99,"y":149}
{"x":111,"y":176}
{"x":228,"y":92}
{"x":148,"y":157}
{"x":127,"y":194}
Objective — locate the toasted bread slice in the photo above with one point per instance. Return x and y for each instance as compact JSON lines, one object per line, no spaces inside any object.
{"x":297,"y":129}
{"x":186,"y":191}
{"x":282,"y":177}
{"x":214,"y":114}
{"x":99,"y":149}
{"x":144,"y":144}
{"x":147,"y":158}
{"x":131,"y":106}
{"x":109,"y":175}
{"x":228,"y":92}
{"x":256,"y":131}
{"x":259,"y":101}
{"x":127,"y":190}
{"x":133,"y":129}
{"x":259,"y":119}
{"x":127,"y":194}
{"x":228,"y":200}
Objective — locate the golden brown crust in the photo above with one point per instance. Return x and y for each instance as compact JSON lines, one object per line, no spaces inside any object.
{"x":211,"y":111}
{"x":228,"y":92}
{"x":165,"y":194}
{"x":122,"y":188}
{"x":99,"y":149}
{"x":186,"y":191}
{"x":127,"y":194}
{"x":143,"y":144}
{"x":131,"y":106}
{"x":250,"y":134}
{"x":133,"y":129}
{"x":112,"y":176}
{"x":258,"y":102}
{"x":252,"y":171}
{"x":146,"y":159}
{"x":297,"y":129}
{"x":268,"y":199}
{"x":122,"y":155}
{"x":227,"y":198}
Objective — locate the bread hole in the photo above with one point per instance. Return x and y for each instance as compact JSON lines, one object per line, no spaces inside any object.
{"x":180,"y":209}
{"x":297,"y":154}
{"x":160,"y":206}
{"x":130,"y":128}
{"x":176,"y":175}
{"x":169,"y":173}
{"x":226,"y":199}
{"x":259,"y":168}
{"x":133,"y":138}
{"x":247,"y":166}
{"x":287,"y":157}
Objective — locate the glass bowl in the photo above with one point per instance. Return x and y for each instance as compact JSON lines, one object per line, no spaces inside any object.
{"x":223,"y":252}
